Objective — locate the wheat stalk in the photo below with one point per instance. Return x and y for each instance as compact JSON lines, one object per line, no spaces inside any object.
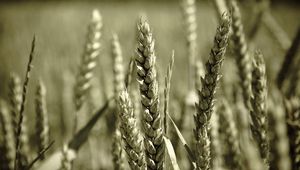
{"x":190,"y":23}
{"x":242,"y":54}
{"x":229,"y":133}
{"x":207,"y":93}
{"x":147,"y":80}
{"x":42,"y":125}
{"x":130,"y":133}
{"x":259,"y":126}
{"x":20,"y":159}
{"x":6,"y":139}
{"x":167,"y":92}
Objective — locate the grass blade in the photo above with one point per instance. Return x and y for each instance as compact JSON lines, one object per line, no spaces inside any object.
{"x":171,"y":153}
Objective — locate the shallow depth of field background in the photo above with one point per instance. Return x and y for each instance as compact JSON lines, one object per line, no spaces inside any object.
{"x":60,"y":29}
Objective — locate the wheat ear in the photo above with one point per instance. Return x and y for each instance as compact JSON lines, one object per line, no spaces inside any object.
{"x":130,"y":133}
{"x":259,"y":126}
{"x":6,"y":139}
{"x":118,"y":69}
{"x":15,"y":99}
{"x":89,"y":58}
{"x":279,"y":144}
{"x":167,"y":92}
{"x":42,"y":125}
{"x":241,"y":52}
{"x":147,"y":80}
{"x":88,"y":63}
{"x":20,"y":127}
{"x":229,"y":133}
{"x":118,"y":72}
{"x":190,"y":24}
{"x":292,"y":108}
{"x":207,"y":93}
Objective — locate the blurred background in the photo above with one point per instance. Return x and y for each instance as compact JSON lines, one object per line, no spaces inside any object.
{"x":60,"y":28}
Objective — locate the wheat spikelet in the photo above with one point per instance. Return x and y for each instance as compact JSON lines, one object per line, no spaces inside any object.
{"x":6,"y":139}
{"x":190,"y":23}
{"x":118,"y":72}
{"x":42,"y":126}
{"x":198,"y":74}
{"x":167,"y":92}
{"x":207,"y":93}
{"x":230,"y":136}
{"x":259,"y":126}
{"x":130,"y":133}
{"x":88,"y":60}
{"x":147,"y":80}
{"x":21,"y":137}
{"x":279,"y":144}
{"x":242,"y":54}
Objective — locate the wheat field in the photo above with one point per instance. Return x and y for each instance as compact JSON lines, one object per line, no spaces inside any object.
{"x":184,"y":84}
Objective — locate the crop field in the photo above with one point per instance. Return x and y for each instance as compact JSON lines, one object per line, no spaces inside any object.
{"x":150,"y":85}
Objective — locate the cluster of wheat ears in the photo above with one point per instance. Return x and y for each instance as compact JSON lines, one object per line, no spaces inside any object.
{"x":253,"y":126}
